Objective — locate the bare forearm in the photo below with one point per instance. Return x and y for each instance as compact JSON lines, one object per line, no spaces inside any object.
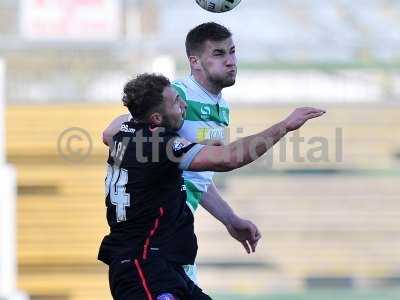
{"x":217,"y":206}
{"x":238,"y":153}
{"x":244,"y":231}
{"x":248,"y":149}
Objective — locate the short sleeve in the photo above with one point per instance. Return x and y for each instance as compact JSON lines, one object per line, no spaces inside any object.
{"x":182,"y":151}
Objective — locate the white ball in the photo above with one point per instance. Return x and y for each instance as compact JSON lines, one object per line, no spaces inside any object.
{"x":218,"y":6}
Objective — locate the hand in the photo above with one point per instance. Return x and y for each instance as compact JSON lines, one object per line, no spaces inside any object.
{"x":245,"y":232}
{"x":297,"y":118}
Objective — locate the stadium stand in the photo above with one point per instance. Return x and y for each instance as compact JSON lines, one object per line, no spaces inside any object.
{"x":309,"y":30}
{"x":278,"y":33}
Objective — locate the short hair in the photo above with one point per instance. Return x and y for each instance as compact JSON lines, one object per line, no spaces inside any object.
{"x":143,"y":94}
{"x":210,"y":31}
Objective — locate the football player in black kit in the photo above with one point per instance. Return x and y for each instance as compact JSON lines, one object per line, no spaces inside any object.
{"x":151,"y":227}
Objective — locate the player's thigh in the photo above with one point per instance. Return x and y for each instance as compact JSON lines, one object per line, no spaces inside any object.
{"x":149,"y":279}
{"x":125,"y":281}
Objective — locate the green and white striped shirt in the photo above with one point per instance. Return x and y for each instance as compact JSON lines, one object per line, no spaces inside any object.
{"x":207,"y":118}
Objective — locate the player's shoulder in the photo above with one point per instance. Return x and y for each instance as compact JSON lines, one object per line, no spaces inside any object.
{"x":161,"y":135}
{"x":187,"y":88}
{"x":140,"y":130}
{"x":128,"y":127}
{"x":182,"y":87}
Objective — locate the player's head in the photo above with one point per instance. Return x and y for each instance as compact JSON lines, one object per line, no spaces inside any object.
{"x":211,"y":53}
{"x":150,"y":99}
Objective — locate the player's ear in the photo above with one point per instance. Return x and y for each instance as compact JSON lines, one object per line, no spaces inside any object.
{"x":156,"y":119}
{"x":194,"y":62}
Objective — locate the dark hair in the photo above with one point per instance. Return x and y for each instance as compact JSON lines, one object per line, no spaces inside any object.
{"x":211,"y":31}
{"x":143,"y":94}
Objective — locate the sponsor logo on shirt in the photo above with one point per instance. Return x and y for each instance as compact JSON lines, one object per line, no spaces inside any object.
{"x":210,"y":134}
{"x":205,"y":111}
{"x":125,"y":128}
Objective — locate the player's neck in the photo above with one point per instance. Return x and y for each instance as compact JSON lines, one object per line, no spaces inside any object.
{"x":207,"y":85}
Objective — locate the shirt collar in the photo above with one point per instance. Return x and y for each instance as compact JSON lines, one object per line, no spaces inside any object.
{"x":213,"y":97}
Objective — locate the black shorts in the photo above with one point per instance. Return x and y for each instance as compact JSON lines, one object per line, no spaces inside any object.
{"x":151,"y":279}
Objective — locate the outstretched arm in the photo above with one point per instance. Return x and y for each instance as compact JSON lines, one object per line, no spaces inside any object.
{"x":240,"y":229}
{"x":248,"y":149}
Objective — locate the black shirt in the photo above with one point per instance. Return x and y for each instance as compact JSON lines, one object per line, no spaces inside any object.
{"x":146,"y":197}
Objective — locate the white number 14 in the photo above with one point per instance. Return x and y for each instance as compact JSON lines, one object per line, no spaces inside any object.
{"x":115,"y":185}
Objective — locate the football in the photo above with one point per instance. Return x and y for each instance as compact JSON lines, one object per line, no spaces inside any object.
{"x":218,"y":6}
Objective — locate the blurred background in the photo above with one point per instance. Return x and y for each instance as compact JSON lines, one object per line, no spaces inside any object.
{"x":326,"y":199}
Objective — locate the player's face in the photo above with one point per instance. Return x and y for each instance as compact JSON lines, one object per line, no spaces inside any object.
{"x":174,"y":109}
{"x":218,"y":62}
